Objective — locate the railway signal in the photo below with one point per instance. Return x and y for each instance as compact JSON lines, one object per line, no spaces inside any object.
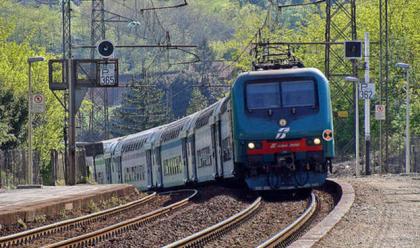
{"x":105,"y":49}
{"x":353,"y":49}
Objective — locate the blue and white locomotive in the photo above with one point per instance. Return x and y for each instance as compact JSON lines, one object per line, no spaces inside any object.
{"x":274,"y":131}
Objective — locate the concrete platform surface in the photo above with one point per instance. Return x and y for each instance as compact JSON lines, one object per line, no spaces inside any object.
{"x":50,"y":200}
{"x":385,"y":213}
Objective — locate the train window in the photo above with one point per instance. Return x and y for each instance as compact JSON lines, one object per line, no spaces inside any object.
{"x":298,"y":93}
{"x":204,"y":158}
{"x":226,"y":149}
{"x":263,"y":95}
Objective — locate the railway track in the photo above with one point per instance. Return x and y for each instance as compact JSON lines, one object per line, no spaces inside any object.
{"x":292,"y":231}
{"x":25,"y":237}
{"x":92,"y":238}
{"x":280,"y":239}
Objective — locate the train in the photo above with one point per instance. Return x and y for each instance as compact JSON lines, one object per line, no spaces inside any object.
{"x":274,"y":131}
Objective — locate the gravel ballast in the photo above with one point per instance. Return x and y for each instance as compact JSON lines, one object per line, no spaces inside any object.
{"x":21,"y":226}
{"x":155,"y":203}
{"x":215,"y":204}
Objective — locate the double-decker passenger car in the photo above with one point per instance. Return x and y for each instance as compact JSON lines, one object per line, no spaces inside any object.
{"x":274,"y":131}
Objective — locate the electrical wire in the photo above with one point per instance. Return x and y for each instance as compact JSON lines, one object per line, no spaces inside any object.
{"x":249,"y":43}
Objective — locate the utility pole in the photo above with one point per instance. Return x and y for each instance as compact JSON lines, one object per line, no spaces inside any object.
{"x":69,"y":118}
{"x":72,"y":122}
{"x":406,"y":68}
{"x":338,"y":29}
{"x":367,"y":106}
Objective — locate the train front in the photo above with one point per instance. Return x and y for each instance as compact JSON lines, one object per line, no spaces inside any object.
{"x":282,"y":128}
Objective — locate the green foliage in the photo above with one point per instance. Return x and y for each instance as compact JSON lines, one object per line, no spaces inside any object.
{"x":197,"y":102}
{"x":14,"y":95}
{"x":141,"y":109}
{"x":223,"y":30}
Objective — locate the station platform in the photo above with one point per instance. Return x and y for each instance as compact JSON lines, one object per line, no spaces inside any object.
{"x":26,"y":204}
{"x":385,"y":213}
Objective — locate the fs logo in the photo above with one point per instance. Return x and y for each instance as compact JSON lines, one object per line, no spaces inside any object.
{"x":281,"y":134}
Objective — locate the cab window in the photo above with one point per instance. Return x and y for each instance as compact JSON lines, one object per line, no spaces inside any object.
{"x":298,"y":94}
{"x":263,"y":95}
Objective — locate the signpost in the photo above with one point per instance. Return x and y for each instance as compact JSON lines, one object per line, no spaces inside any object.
{"x":76,"y":76}
{"x":380,"y":112}
{"x":38,"y":103}
{"x":107,"y":73}
{"x":367,"y":91}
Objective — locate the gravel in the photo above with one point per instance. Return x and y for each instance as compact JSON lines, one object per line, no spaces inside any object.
{"x":272,"y":217}
{"x":386,"y":213}
{"x":215,"y":204}
{"x":155,"y":203}
{"x":68,"y":214}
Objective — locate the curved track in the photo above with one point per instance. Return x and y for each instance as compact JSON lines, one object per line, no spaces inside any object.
{"x":110,"y":231}
{"x":25,"y":237}
{"x":198,"y":239}
{"x":282,"y":238}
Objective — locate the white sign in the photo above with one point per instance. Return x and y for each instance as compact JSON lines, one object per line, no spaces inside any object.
{"x":366,"y":91}
{"x":107,"y":75}
{"x":38,"y":103}
{"x":380,"y":112}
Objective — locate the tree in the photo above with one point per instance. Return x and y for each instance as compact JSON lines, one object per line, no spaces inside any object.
{"x":13,"y":112}
{"x":197,"y":102}
{"x":142,"y":108}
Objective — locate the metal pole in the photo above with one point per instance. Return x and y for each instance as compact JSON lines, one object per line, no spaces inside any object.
{"x":72,"y":123}
{"x":357,"y":127}
{"x":407,"y":124}
{"x":367,"y":106}
{"x":30,"y":157}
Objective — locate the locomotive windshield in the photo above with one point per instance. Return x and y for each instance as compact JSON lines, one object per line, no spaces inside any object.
{"x":298,"y":94}
{"x":263,"y":95}
{"x":285,"y":94}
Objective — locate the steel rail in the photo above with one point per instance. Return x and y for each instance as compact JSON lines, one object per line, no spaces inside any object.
{"x":294,"y":228}
{"x":212,"y":232}
{"x":29,"y":235}
{"x":92,"y":238}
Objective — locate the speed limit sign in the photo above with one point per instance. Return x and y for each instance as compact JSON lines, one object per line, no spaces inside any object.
{"x":38,"y":103}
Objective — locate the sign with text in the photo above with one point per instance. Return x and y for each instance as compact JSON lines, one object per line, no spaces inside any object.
{"x":380,"y":112}
{"x":108,"y":74}
{"x":366,"y":91}
{"x":38,"y":103}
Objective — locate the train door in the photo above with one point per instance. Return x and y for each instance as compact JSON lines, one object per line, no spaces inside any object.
{"x":108,"y":169}
{"x":157,"y":167}
{"x":214,"y":149}
{"x":226,"y":143}
{"x":149,"y":168}
{"x":204,"y":154}
{"x":184,"y":142}
{"x":192,"y":169}
{"x":172,"y":165}
{"x":116,"y":165}
{"x":100,"y":171}
{"x":140,"y":169}
{"x":218,"y":148}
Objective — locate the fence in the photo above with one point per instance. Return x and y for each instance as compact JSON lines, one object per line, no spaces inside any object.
{"x":14,"y":168}
{"x":60,"y":173}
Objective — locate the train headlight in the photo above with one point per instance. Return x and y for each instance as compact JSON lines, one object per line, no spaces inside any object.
{"x":317,"y":141}
{"x":251,"y":145}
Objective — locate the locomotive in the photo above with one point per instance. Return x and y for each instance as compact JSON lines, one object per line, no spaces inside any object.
{"x":274,"y":132}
